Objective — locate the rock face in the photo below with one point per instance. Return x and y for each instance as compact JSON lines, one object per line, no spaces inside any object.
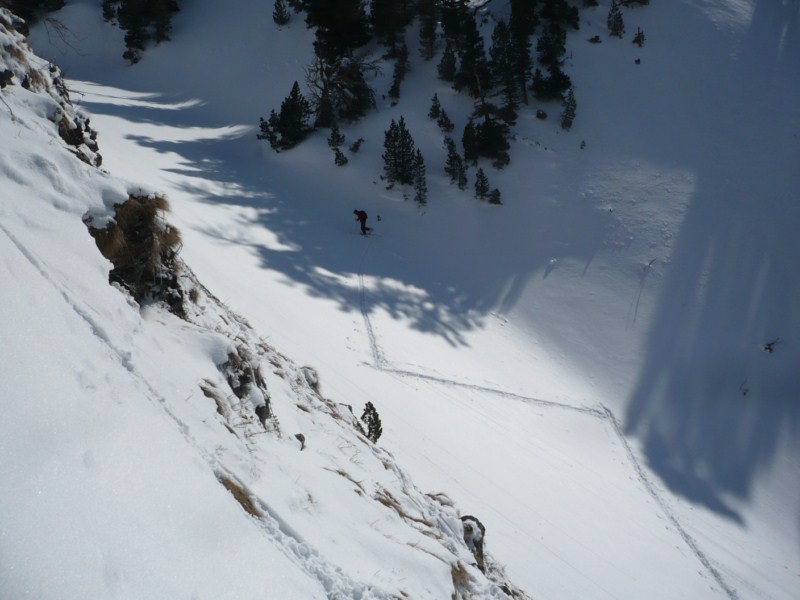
{"x":473,"y":537}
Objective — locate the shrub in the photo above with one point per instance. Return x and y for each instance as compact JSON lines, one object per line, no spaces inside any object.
{"x":372,"y":420}
{"x":144,"y":251}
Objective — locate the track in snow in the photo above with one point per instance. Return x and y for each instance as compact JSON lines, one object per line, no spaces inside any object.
{"x":601,"y":412}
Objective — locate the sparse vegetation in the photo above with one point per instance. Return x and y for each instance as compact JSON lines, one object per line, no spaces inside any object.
{"x":144,"y":249}
{"x":372,"y":420}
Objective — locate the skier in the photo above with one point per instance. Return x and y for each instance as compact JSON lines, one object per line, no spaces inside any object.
{"x":361,"y":217}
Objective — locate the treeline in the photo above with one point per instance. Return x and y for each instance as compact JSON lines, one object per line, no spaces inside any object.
{"x":500,"y":79}
{"x":142,"y":21}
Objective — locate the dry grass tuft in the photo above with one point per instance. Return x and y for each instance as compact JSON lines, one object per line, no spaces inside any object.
{"x":210,"y":391}
{"x":461,"y":580}
{"x":144,"y":251}
{"x":241,"y":496}
{"x":385,"y":497}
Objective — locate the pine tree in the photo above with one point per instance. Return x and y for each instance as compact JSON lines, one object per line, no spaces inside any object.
{"x":400,"y":70}
{"x":552,"y":86}
{"x":638,"y":38}
{"x":420,"y":185}
{"x":339,"y":90}
{"x":444,"y":122}
{"x":290,"y":126}
{"x":436,"y":107}
{"x":492,"y":141}
{"x":447,"y":66}
{"x":469,"y":141}
{"x":399,"y":153}
{"x":481,"y":184}
{"x":504,"y":69}
{"x":269,"y":130}
{"x":339,"y":158}
{"x":560,"y":12}
{"x":293,"y":117}
{"x":141,"y":21}
{"x":389,"y":18}
{"x":473,"y":73}
{"x":494,"y":197}
{"x":341,"y":27}
{"x":614,"y":22}
{"x":427,"y":28}
{"x":551,"y":45}
{"x":372,"y":420}
{"x":280,"y":14}
{"x":454,"y":165}
{"x":336,"y":137}
{"x":568,"y":116}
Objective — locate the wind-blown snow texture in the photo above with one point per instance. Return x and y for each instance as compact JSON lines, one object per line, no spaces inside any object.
{"x":582,"y":368}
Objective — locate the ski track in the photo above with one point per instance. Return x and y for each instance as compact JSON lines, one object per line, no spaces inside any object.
{"x":601,"y":412}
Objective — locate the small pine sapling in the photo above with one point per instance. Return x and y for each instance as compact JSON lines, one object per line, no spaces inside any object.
{"x":568,"y":115}
{"x":614,"y":22}
{"x":336,"y":138}
{"x":339,"y":158}
{"x":444,"y":122}
{"x":436,"y":107}
{"x":356,"y":146}
{"x":481,"y":184}
{"x":280,"y":14}
{"x":447,"y":66}
{"x":420,"y":185}
{"x":494,"y":197}
{"x":372,"y":420}
{"x":638,"y":39}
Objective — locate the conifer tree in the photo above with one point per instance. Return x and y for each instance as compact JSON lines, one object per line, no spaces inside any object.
{"x":522,"y":24}
{"x":291,"y":125}
{"x":427,"y":28}
{"x":469,"y":141}
{"x":551,"y":45}
{"x":339,"y":158}
{"x":389,"y":18}
{"x":336,"y":137}
{"x":141,"y":21}
{"x":614,"y":22}
{"x":638,"y":37}
{"x":372,"y":420}
{"x":420,"y":185}
{"x":492,"y":141}
{"x":436,"y":107}
{"x":560,"y":12}
{"x":341,"y":27}
{"x":400,"y":69}
{"x":280,"y":13}
{"x":504,"y":69}
{"x":495,"y":197}
{"x":269,"y":130}
{"x":454,"y":165}
{"x":568,"y":115}
{"x":551,"y":86}
{"x":399,"y":153}
{"x":524,"y":18}
{"x":481,"y":184}
{"x":444,"y":122}
{"x":473,"y":73}
{"x":447,"y":65}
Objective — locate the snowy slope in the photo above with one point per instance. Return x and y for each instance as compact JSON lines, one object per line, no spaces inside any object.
{"x":581,"y":368}
{"x":130,"y":468}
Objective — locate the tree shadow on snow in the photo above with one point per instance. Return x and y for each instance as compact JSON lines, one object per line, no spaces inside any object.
{"x":713,"y":406}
